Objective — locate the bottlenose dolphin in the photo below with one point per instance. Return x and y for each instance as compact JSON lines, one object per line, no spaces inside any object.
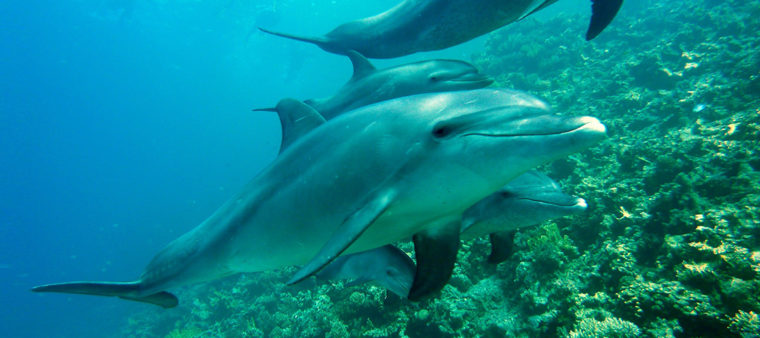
{"x":387,"y":266}
{"x":357,"y":182}
{"x":529,"y":199}
{"x":370,"y":85}
{"x":425,"y":25}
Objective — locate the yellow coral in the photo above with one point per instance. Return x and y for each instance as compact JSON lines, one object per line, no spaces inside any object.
{"x":698,"y":268}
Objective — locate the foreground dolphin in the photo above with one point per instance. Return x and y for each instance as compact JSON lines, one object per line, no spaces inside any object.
{"x":529,"y":199}
{"x":357,"y":182}
{"x":436,"y":255}
{"x":387,"y":266}
{"x":369,"y":85}
{"x":425,"y":25}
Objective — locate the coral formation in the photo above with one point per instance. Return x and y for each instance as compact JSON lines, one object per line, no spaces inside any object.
{"x":670,"y":245}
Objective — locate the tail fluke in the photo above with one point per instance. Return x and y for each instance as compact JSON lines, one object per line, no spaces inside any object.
{"x":602,"y":13}
{"x":319,"y":41}
{"x":123,"y":290}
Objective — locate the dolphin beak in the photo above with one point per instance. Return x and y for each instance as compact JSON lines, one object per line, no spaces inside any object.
{"x":476,"y":79}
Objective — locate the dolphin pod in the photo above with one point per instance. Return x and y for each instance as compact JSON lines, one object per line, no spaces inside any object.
{"x":358,"y":182}
{"x":529,"y":199}
{"x":426,"y":25}
{"x":370,"y":85}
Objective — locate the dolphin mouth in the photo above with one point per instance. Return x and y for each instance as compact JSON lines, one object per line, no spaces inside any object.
{"x":474,"y":78}
{"x":587,"y":125}
{"x":571,"y":203}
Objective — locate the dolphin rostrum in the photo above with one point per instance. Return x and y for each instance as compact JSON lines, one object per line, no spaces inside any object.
{"x":529,"y":199}
{"x":370,"y":85}
{"x":425,"y":25}
{"x":356,"y":183}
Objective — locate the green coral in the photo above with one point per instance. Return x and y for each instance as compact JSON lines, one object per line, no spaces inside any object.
{"x":746,"y":324}
{"x":609,"y":327}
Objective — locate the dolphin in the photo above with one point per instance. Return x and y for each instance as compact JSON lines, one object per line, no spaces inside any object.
{"x":356,"y":183}
{"x":529,"y":199}
{"x":436,"y":255}
{"x":425,"y":25}
{"x":387,"y":266}
{"x":370,"y":85}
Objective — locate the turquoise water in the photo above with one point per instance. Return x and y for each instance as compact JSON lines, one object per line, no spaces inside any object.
{"x":126,"y":123}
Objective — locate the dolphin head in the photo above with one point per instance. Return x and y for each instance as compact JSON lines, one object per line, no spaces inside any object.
{"x":482,"y":139}
{"x":446,"y":75}
{"x":529,"y":199}
{"x":398,"y":275}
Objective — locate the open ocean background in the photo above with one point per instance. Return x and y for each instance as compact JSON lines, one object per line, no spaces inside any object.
{"x":124,"y":124}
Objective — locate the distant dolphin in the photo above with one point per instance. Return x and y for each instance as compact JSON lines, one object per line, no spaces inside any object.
{"x":529,"y":199}
{"x":387,"y":266}
{"x":425,"y":25}
{"x":369,"y":85}
{"x":357,"y":182}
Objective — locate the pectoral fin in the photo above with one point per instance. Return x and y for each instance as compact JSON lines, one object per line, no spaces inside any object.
{"x":602,"y":13}
{"x":501,"y":246}
{"x":353,"y":226}
{"x":435,"y":251}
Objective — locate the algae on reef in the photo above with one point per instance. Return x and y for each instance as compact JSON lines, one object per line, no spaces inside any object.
{"x":670,"y":245}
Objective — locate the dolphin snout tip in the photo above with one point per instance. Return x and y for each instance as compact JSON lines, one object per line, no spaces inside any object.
{"x":592,"y":124}
{"x":580,"y":204}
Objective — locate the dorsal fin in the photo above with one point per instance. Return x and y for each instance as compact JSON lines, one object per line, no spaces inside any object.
{"x":362,"y":66}
{"x":297,"y":119}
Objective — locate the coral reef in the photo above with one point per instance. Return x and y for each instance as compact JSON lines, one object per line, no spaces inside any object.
{"x":670,"y":245}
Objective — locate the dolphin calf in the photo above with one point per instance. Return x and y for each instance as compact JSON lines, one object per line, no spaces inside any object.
{"x":355,"y":183}
{"x":369,"y":85}
{"x":529,"y":199}
{"x":425,"y":25}
{"x":387,"y":266}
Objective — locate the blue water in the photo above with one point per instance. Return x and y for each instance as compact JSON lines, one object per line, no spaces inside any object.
{"x":124,"y":124}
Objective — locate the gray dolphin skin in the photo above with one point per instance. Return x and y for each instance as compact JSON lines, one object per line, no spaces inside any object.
{"x":425,"y":25}
{"x":387,"y":266}
{"x":529,"y":199}
{"x":356,"y":183}
{"x":369,"y":85}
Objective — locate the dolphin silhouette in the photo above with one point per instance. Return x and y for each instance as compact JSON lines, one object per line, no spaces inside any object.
{"x":425,"y":25}
{"x":529,"y":199}
{"x":356,"y":183}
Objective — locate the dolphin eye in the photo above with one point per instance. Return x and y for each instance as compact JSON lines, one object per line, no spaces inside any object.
{"x":434,"y":78}
{"x":441,"y":131}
